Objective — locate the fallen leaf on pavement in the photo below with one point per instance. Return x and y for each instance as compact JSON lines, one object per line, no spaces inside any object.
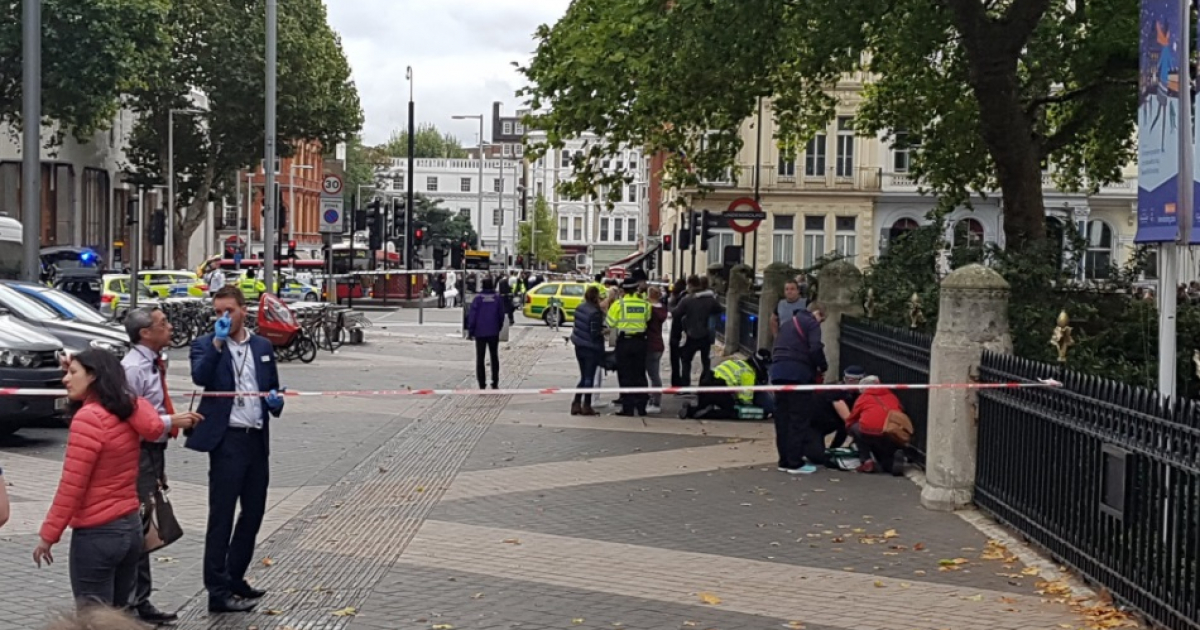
{"x":919,"y":547}
{"x":477,"y":596}
{"x":578,"y":621}
{"x":880,"y":584}
{"x":794,"y":625}
{"x":165,"y":559}
{"x":710,"y":599}
{"x":1029,"y":571}
{"x":348,"y":611}
{"x":973,"y":598}
{"x":442,"y":626}
{"x":273,"y":612}
{"x":268,"y":561}
{"x":891,"y":533}
{"x":512,"y":541}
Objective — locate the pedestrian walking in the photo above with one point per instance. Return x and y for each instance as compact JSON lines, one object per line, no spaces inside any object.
{"x":588,"y":337}
{"x":798,"y":359}
{"x":506,"y":296}
{"x":145,"y":374}
{"x":485,"y":320}
{"x":439,"y":287}
{"x":629,"y":316}
{"x":97,"y":495}
{"x":235,"y":434}
{"x":655,"y":347}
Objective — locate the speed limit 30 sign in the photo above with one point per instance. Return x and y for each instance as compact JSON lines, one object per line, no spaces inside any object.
{"x":332,"y":185}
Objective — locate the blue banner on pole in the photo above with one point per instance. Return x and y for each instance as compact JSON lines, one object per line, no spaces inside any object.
{"x":1158,"y":122}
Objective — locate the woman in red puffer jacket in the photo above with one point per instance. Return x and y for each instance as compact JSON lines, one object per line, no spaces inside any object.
{"x":867,"y":420}
{"x":97,"y":495}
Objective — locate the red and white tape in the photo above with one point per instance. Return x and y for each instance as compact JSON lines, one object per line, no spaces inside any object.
{"x":546,"y":391}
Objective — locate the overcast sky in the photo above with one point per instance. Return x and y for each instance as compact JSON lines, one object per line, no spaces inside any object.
{"x":461,"y":52}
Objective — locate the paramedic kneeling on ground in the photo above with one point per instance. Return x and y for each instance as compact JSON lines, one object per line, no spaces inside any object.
{"x":732,"y":373}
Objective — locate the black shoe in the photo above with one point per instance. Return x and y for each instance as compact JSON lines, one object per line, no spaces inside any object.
{"x":246,"y":591}
{"x":898,"y":464}
{"x":495,"y":386}
{"x":230,"y":605}
{"x":625,"y":412}
{"x":148,"y":613}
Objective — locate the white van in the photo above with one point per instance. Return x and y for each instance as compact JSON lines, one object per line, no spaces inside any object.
{"x":12,"y":248}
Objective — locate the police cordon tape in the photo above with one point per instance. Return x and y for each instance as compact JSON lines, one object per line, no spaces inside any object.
{"x":545,"y":391}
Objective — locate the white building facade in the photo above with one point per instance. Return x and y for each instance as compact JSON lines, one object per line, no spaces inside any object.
{"x":588,"y":226}
{"x":493,"y":204}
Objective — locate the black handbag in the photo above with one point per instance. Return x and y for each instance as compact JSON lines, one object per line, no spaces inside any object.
{"x":159,"y":525}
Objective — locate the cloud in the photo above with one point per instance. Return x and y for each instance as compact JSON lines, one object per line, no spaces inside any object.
{"x":461,"y":52}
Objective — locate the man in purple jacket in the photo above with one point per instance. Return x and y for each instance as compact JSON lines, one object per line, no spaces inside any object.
{"x":484,"y":322}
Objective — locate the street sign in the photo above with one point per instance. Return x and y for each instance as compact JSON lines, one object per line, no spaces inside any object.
{"x":332,"y":185}
{"x":744,"y":215}
{"x":331,"y":215}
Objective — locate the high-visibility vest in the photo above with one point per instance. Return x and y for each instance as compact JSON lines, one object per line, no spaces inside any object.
{"x":251,"y":288}
{"x":629,"y":315}
{"x":737,"y":372}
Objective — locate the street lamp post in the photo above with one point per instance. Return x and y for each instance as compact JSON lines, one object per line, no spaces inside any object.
{"x":169,"y":240}
{"x":31,"y":116}
{"x":408,"y":211}
{"x":269,"y":149}
{"x":478,"y":219}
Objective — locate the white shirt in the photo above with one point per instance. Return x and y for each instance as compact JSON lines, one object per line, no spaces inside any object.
{"x":143,"y":379}
{"x":248,"y":414}
{"x":216,"y":281}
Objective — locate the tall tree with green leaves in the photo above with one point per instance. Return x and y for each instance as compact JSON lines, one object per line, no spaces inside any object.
{"x":986,"y":92}
{"x":547,"y":249}
{"x":94,"y":52}
{"x":427,"y":143}
{"x":219,"y":50}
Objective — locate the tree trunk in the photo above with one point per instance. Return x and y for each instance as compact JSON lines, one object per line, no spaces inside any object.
{"x":197,"y":211}
{"x":993,"y":51}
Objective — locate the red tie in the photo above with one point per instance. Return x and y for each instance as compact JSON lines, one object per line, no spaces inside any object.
{"x":167,"y":404}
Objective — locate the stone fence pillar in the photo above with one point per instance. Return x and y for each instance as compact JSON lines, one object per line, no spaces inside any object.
{"x":775,"y":275}
{"x":740,"y":285}
{"x":972,"y":317}
{"x":841,"y":284}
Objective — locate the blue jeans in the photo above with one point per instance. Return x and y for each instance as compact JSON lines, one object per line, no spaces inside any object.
{"x":589,"y":361}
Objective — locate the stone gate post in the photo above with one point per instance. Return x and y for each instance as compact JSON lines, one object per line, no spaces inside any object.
{"x":972,"y":317}
{"x":774,"y":277}
{"x":841,"y":284}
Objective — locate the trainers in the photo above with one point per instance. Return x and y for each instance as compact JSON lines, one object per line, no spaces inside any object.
{"x":866,"y":467}
{"x":653,"y":409}
{"x":806,"y":469}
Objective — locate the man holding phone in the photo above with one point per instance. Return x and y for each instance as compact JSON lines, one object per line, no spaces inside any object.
{"x":235,"y":435}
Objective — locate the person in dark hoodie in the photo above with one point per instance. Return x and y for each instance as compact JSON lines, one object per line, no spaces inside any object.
{"x":798,"y":359}
{"x":484,"y":322}
{"x":694,"y":313}
{"x":588,"y":337}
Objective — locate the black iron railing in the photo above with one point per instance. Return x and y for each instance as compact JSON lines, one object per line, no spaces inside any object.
{"x":1103,"y":475}
{"x":894,"y":355}
{"x":748,"y":333}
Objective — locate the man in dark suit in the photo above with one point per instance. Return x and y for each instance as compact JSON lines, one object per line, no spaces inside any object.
{"x":235,"y":436}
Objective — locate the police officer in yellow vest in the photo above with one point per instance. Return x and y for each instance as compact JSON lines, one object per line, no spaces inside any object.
{"x":250,"y":287}
{"x":629,"y":316}
{"x":732,"y":373}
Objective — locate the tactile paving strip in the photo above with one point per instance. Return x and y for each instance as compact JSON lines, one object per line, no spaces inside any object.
{"x":331,"y":555}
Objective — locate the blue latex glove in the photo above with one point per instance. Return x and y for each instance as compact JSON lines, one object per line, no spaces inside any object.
{"x":274,"y":400}
{"x":222,"y":327}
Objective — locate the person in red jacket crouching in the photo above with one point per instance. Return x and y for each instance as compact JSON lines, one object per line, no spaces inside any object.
{"x":867,"y":420}
{"x":97,"y":495}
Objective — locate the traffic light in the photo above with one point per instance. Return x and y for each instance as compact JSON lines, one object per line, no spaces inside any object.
{"x":375,"y":225}
{"x":360,"y":220}
{"x":399,"y":218}
{"x":418,"y":235}
{"x":666,"y":242}
{"x":703,"y":229}
{"x":131,"y":212}
{"x":520,"y":261}
{"x":291,"y":249}
{"x":158,"y":227}
{"x":685,"y":236}
{"x":456,"y":255}
{"x":651,"y":262}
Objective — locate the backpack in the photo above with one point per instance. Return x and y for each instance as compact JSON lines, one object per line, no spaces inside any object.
{"x":898,"y":427}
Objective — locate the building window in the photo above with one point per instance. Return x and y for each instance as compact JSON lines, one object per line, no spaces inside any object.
{"x":497,"y":185}
{"x":787,"y":166}
{"x":968,"y":241}
{"x":397,"y":182}
{"x":606,"y":163}
{"x":620,"y":164}
{"x":900,"y":229}
{"x":497,"y":215}
{"x":562,"y":228}
{"x":1098,"y":259}
{"x":814,"y":239}
{"x":464,"y":212}
{"x":506,"y":150}
{"x":431,"y":184}
{"x":783,"y":239}
{"x":717,"y":244}
{"x":603,"y":229}
{"x":577,"y":229}
{"x":464,"y":184}
{"x":845,"y":147}
{"x":633,"y":162}
{"x":631,"y":195}
{"x":566,"y":159}
{"x":617,"y":223}
{"x":814,"y":156}
{"x":845,"y":236}
{"x":518,"y":150}
{"x":633,"y":233}
{"x":901,"y":153}
{"x":508,"y":127}
{"x":520,"y":129}
{"x":540,"y":188}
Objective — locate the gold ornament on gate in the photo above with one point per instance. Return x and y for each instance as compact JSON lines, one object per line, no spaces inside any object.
{"x":869,"y":304}
{"x":1061,"y":339}
{"x":916,"y":315}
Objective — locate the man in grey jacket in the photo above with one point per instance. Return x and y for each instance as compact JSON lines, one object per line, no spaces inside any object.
{"x":694,"y":312}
